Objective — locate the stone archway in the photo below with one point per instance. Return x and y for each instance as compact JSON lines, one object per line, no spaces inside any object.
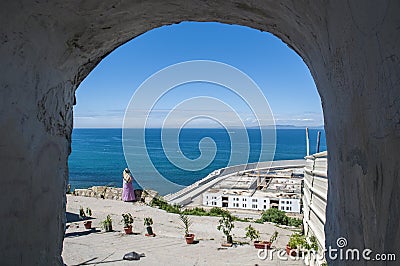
{"x":48,"y":48}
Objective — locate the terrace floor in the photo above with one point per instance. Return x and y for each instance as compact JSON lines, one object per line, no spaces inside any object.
{"x":94,"y":247}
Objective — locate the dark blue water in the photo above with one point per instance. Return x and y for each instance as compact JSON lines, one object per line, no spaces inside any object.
{"x":97,"y":155}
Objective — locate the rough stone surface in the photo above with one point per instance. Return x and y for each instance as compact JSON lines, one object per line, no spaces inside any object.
{"x":100,"y":192}
{"x":114,"y":193}
{"x":48,"y":47}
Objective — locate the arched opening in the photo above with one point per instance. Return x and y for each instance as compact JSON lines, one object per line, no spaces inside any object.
{"x":351,"y":53}
{"x":103,"y":98}
{"x":111,"y":84}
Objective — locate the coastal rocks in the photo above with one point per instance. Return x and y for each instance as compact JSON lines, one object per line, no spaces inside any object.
{"x":148,"y":195}
{"x":114,"y":193}
{"x":49,"y":47}
{"x":103,"y":192}
{"x":100,"y":192}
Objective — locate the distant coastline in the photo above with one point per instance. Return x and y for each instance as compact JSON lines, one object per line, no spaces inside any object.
{"x":321,"y":127}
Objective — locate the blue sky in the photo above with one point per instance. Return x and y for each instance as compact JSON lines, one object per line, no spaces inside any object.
{"x":280,"y":73}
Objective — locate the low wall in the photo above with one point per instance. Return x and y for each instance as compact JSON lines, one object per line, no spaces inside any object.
{"x":100,"y":192}
{"x":105,"y":192}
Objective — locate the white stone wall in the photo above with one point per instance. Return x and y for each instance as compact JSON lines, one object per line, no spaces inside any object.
{"x":315,"y":198}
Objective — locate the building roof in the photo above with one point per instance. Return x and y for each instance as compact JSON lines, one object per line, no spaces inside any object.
{"x":284,"y":183}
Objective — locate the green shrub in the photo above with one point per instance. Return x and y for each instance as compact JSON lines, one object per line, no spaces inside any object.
{"x":295,"y":222}
{"x":275,"y":216}
{"x":246,"y":220}
{"x":195,"y":211}
{"x":215,"y":211}
{"x":198,"y":211}
{"x":259,"y":221}
{"x":279,"y":217}
{"x":314,"y":243}
{"x":162,"y":204}
{"x":297,"y":240}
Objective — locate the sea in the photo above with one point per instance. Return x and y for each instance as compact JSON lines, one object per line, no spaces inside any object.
{"x":97,"y":157}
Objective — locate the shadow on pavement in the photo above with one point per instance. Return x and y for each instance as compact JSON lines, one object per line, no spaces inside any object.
{"x":81,"y":233}
{"x":72,"y":217}
{"x":90,"y":262}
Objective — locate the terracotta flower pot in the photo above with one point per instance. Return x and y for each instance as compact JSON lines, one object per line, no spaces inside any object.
{"x":128,"y":230}
{"x":189,"y":238}
{"x":87,"y":224}
{"x":262,"y":244}
{"x":290,"y":251}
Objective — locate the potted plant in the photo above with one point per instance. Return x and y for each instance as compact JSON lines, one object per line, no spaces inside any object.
{"x":128,"y":220}
{"x":266,"y":244}
{"x":107,"y":224}
{"x":226,"y":225}
{"x":81,"y":213}
{"x":88,"y":224}
{"x":186,"y":223}
{"x":296,"y":241}
{"x":148,"y":221}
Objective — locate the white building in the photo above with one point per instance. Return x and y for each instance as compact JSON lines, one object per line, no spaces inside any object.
{"x":289,"y":205}
{"x":251,"y":200}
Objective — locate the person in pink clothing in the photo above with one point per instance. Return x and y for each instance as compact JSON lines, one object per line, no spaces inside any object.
{"x":128,"y":194}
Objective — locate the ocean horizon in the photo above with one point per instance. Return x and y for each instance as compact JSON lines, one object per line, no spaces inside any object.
{"x":97,"y":157}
